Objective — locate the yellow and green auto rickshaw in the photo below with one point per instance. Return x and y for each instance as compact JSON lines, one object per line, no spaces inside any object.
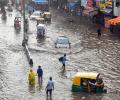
{"x":47,"y":16}
{"x":87,"y":82}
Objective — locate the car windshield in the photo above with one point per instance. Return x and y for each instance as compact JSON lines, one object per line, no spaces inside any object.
{"x":62,"y":41}
{"x":36,"y":14}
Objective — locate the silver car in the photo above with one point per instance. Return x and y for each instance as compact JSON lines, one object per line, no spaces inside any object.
{"x":36,"y":14}
{"x":62,"y":42}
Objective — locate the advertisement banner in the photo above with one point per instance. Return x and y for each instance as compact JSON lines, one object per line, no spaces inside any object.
{"x":106,"y":7}
{"x":102,"y":7}
{"x":89,"y":3}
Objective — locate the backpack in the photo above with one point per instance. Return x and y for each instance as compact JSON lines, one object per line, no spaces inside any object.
{"x":61,"y":59}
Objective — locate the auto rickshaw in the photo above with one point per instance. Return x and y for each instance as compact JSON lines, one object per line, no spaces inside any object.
{"x":40,"y":20}
{"x":41,"y":30}
{"x":17,"y":22}
{"x":47,"y":16}
{"x":87,"y":82}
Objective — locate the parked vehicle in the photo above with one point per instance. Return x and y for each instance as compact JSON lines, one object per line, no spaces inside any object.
{"x":36,"y":14}
{"x":41,"y":30}
{"x":17,"y":23}
{"x":88,"y":82}
{"x":47,"y":16}
{"x":62,"y":42}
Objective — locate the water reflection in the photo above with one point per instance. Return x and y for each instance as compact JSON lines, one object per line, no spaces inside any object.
{"x":17,"y":31}
{"x":87,"y":96}
{"x":49,"y":98}
{"x":40,"y":39}
{"x":4,"y":20}
{"x":31,"y":89}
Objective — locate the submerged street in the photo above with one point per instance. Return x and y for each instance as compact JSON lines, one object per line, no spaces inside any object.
{"x":87,"y":53}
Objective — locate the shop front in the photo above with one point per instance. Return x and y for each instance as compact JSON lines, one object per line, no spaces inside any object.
{"x":42,"y":5}
{"x":89,"y":9}
{"x":105,"y":6}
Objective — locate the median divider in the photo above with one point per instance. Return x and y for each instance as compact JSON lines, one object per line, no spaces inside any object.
{"x":24,"y":44}
{"x":28,"y":55}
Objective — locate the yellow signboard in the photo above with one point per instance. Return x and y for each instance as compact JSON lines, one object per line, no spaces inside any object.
{"x":102,"y":7}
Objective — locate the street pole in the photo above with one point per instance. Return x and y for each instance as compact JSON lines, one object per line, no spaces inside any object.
{"x":25,"y":38}
{"x":24,"y":25}
{"x":24,"y":19}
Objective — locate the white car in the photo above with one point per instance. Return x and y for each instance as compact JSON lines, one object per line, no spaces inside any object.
{"x":62,"y":42}
{"x":36,"y":14}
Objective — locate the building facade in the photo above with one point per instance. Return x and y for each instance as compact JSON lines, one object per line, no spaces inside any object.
{"x":116,"y":10}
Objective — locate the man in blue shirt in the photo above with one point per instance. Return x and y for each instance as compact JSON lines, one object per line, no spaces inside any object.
{"x":40,"y":74}
{"x":50,"y":87}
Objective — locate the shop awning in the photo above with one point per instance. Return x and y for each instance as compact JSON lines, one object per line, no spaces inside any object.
{"x":114,"y":21}
{"x":40,"y":1}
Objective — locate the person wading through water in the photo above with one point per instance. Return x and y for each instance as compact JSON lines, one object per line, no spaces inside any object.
{"x":40,"y":74}
{"x":50,"y":87}
{"x":63,"y":61}
{"x":99,"y":32}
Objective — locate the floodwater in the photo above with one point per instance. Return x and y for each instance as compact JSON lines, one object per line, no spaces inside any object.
{"x":87,"y":53}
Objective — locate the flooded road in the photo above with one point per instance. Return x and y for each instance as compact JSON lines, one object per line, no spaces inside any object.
{"x":87,"y":53}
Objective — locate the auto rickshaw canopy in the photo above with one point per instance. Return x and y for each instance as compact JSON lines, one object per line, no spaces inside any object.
{"x":114,"y":21}
{"x":86,"y":75}
{"x":47,"y":13}
{"x":40,"y":19}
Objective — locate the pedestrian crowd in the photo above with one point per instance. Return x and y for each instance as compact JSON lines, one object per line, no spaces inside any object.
{"x":39,"y":73}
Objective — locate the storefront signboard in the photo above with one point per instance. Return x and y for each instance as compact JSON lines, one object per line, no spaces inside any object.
{"x":102,"y":7}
